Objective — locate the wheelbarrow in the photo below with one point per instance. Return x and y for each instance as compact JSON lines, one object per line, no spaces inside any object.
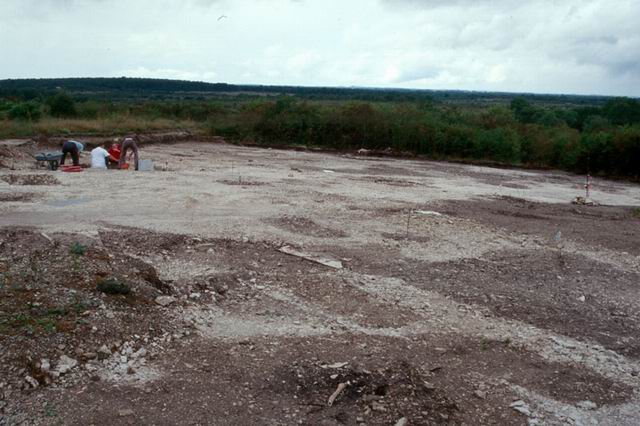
{"x":51,"y":159}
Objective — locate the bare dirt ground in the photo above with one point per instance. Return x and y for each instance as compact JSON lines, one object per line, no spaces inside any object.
{"x":240,"y":285}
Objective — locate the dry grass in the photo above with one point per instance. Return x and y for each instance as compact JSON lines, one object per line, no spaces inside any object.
{"x":100,"y":126}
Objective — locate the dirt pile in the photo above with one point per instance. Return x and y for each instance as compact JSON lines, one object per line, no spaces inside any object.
{"x":305,"y":226}
{"x":51,"y":303}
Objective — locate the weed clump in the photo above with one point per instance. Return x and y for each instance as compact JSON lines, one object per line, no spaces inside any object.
{"x":113,"y":286}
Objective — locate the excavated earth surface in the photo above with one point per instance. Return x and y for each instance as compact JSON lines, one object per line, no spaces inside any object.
{"x":242,"y":286}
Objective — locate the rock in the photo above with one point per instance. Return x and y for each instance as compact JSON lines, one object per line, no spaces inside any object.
{"x":402,"y":422}
{"x":89,"y":355}
{"x":139,"y":353}
{"x":66,"y":364}
{"x":31,"y":381}
{"x":205,"y":247}
{"x":480,"y":394}
{"x":104,"y":352}
{"x":376,"y":406}
{"x":45,"y":366}
{"x":368,"y":398}
{"x":336,"y":365}
{"x":582,"y":298}
{"x":125,"y":413}
{"x":165,"y":300}
{"x":584,"y":201}
{"x":195,"y":296}
{"x":428,"y":213}
{"x":587,"y":405}
{"x":521,"y":407}
{"x":428,"y":386}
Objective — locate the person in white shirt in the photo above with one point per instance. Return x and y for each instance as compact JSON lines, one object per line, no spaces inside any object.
{"x":100,"y":157}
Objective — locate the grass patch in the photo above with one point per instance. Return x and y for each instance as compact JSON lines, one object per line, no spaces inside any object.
{"x":636,"y":212}
{"x":57,"y":311}
{"x":43,"y":320}
{"x":46,"y":324}
{"x":101,"y":126}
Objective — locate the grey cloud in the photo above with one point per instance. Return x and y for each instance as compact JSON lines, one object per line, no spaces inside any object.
{"x":418,"y":73}
{"x":574,"y":46}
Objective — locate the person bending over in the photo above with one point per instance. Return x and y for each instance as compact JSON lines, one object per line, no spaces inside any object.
{"x":129,"y":143}
{"x":73,"y":148}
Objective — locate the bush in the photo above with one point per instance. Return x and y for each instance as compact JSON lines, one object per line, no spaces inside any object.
{"x":61,"y":105}
{"x":27,"y":111}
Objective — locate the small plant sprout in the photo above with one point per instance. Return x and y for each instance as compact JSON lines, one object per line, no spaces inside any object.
{"x":78,"y":249}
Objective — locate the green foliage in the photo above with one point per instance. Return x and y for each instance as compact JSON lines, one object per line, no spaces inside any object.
{"x":47,"y":324}
{"x":50,"y":410}
{"x":61,"y":105}
{"x":595,"y":123}
{"x":523,"y":110}
{"x":78,"y":249}
{"x":27,"y":111}
{"x":579,"y":134}
{"x":622,"y":111}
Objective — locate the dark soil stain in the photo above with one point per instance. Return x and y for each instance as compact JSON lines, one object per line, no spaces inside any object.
{"x":30,"y":180}
{"x":305,"y":226}
{"x":17,"y":196}
{"x":589,"y":225}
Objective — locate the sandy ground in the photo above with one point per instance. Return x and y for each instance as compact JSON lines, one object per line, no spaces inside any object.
{"x":507,"y":293}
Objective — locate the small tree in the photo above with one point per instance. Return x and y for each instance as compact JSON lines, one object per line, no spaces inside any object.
{"x":62,"y":105}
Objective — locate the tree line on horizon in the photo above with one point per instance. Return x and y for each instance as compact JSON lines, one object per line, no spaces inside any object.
{"x":600,"y":138}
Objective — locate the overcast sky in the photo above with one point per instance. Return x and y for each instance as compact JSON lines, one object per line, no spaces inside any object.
{"x":544,"y":46}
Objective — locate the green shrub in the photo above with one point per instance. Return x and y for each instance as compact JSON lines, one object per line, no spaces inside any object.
{"x":61,"y":105}
{"x":27,"y":111}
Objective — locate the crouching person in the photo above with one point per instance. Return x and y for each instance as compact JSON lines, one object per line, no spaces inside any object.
{"x":114,"y":153}
{"x":100,"y":157}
